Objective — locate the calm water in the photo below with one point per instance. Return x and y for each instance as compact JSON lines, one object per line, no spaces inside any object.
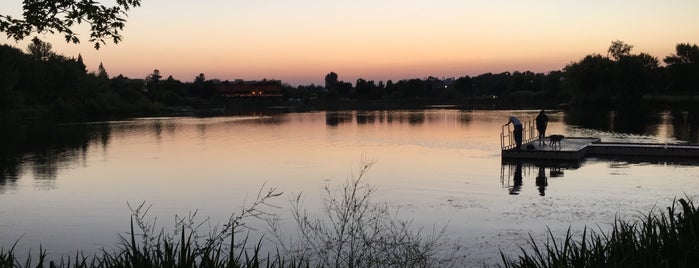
{"x":66,"y":187}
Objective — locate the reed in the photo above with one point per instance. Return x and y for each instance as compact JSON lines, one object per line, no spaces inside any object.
{"x":143,"y":246}
{"x":356,"y":232}
{"x":668,"y":239}
{"x":353,"y":231}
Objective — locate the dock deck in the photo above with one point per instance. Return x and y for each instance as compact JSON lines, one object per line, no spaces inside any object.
{"x":569,"y":149}
{"x":577,"y":148}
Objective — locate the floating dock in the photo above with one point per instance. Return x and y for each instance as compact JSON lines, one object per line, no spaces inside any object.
{"x":577,"y":148}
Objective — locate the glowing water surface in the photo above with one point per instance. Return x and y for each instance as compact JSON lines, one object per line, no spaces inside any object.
{"x":66,"y":187}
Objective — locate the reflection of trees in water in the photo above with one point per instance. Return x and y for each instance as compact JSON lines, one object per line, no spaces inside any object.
{"x":410,"y":117}
{"x":372,"y":117}
{"x":10,"y":171}
{"x":45,"y":149}
{"x":685,"y":125}
{"x":633,"y":120}
{"x":367,"y":117}
{"x":337,"y":118}
{"x":464,"y":118}
{"x":418,"y":117}
{"x":681,"y":124}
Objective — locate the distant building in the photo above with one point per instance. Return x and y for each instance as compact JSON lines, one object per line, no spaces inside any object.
{"x":266,"y":89}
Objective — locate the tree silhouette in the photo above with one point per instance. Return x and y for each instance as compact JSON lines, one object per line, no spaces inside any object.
{"x":40,"y":50}
{"x":685,"y":54}
{"x":200,"y":79}
{"x":618,"y":49}
{"x":331,"y":80}
{"x":683,"y":68}
{"x":154,"y":77}
{"x":52,"y":16}
{"x":102,"y":72}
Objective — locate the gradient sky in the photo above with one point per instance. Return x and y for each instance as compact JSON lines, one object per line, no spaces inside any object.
{"x":300,"y":41}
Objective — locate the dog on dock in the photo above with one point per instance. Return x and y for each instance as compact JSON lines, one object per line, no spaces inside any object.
{"x":555,"y":139}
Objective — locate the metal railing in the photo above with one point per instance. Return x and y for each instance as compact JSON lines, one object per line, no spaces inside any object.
{"x":507,"y":138}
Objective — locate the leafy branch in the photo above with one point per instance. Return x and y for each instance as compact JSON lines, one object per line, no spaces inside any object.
{"x":58,"y":16}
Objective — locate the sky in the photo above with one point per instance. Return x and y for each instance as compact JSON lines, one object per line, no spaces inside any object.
{"x":300,"y":41}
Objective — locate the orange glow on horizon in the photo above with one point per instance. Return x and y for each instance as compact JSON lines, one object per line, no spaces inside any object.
{"x":301,"y":41}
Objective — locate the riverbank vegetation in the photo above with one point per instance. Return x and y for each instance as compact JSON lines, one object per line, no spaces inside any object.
{"x":656,"y":240}
{"x":42,"y":84}
{"x":351,"y":230}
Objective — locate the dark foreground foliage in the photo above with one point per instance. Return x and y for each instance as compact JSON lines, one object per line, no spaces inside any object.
{"x":355,"y":232}
{"x":664,"y":240}
{"x":656,"y":240}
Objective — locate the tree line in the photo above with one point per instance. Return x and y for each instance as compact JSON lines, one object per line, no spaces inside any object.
{"x":619,"y":76}
{"x":40,"y":83}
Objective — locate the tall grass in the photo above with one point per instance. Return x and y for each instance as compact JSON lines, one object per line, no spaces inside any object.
{"x":145,"y":246}
{"x":356,"y":232}
{"x":353,"y":231}
{"x":669,"y":239}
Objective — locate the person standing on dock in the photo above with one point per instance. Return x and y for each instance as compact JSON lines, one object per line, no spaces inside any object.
{"x":542,"y":121}
{"x":517,"y":132}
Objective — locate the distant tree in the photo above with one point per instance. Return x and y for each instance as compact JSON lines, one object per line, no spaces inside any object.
{"x":51,"y":16}
{"x":366,"y":89}
{"x":621,"y":76}
{"x":40,"y":50}
{"x":175,"y":86}
{"x":331,"y":80}
{"x":345,"y":89}
{"x":685,"y":54}
{"x":493,"y":84}
{"x":553,"y":82}
{"x":129,"y":89}
{"x":683,"y":69}
{"x":590,"y":78}
{"x":618,"y":49}
{"x":80,"y":61}
{"x":154,"y":77}
{"x":635,"y":75}
{"x":432,"y":87}
{"x":464,"y":85}
{"x":200,"y":79}
{"x":410,"y":88}
{"x":102,"y":72}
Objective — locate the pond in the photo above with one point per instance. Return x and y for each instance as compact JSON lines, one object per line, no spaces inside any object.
{"x":66,"y":186}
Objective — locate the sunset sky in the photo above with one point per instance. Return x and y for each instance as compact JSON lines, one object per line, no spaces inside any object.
{"x":301,"y":41}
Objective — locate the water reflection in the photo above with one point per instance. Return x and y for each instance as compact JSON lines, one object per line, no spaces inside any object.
{"x":633,"y":120}
{"x":514,"y":172}
{"x":685,"y":125}
{"x":542,"y":181}
{"x":414,"y":117}
{"x":337,"y":118}
{"x":373,"y":117}
{"x":674,"y":125}
{"x":46,"y":149}
{"x":516,"y":180}
{"x":368,"y":117}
